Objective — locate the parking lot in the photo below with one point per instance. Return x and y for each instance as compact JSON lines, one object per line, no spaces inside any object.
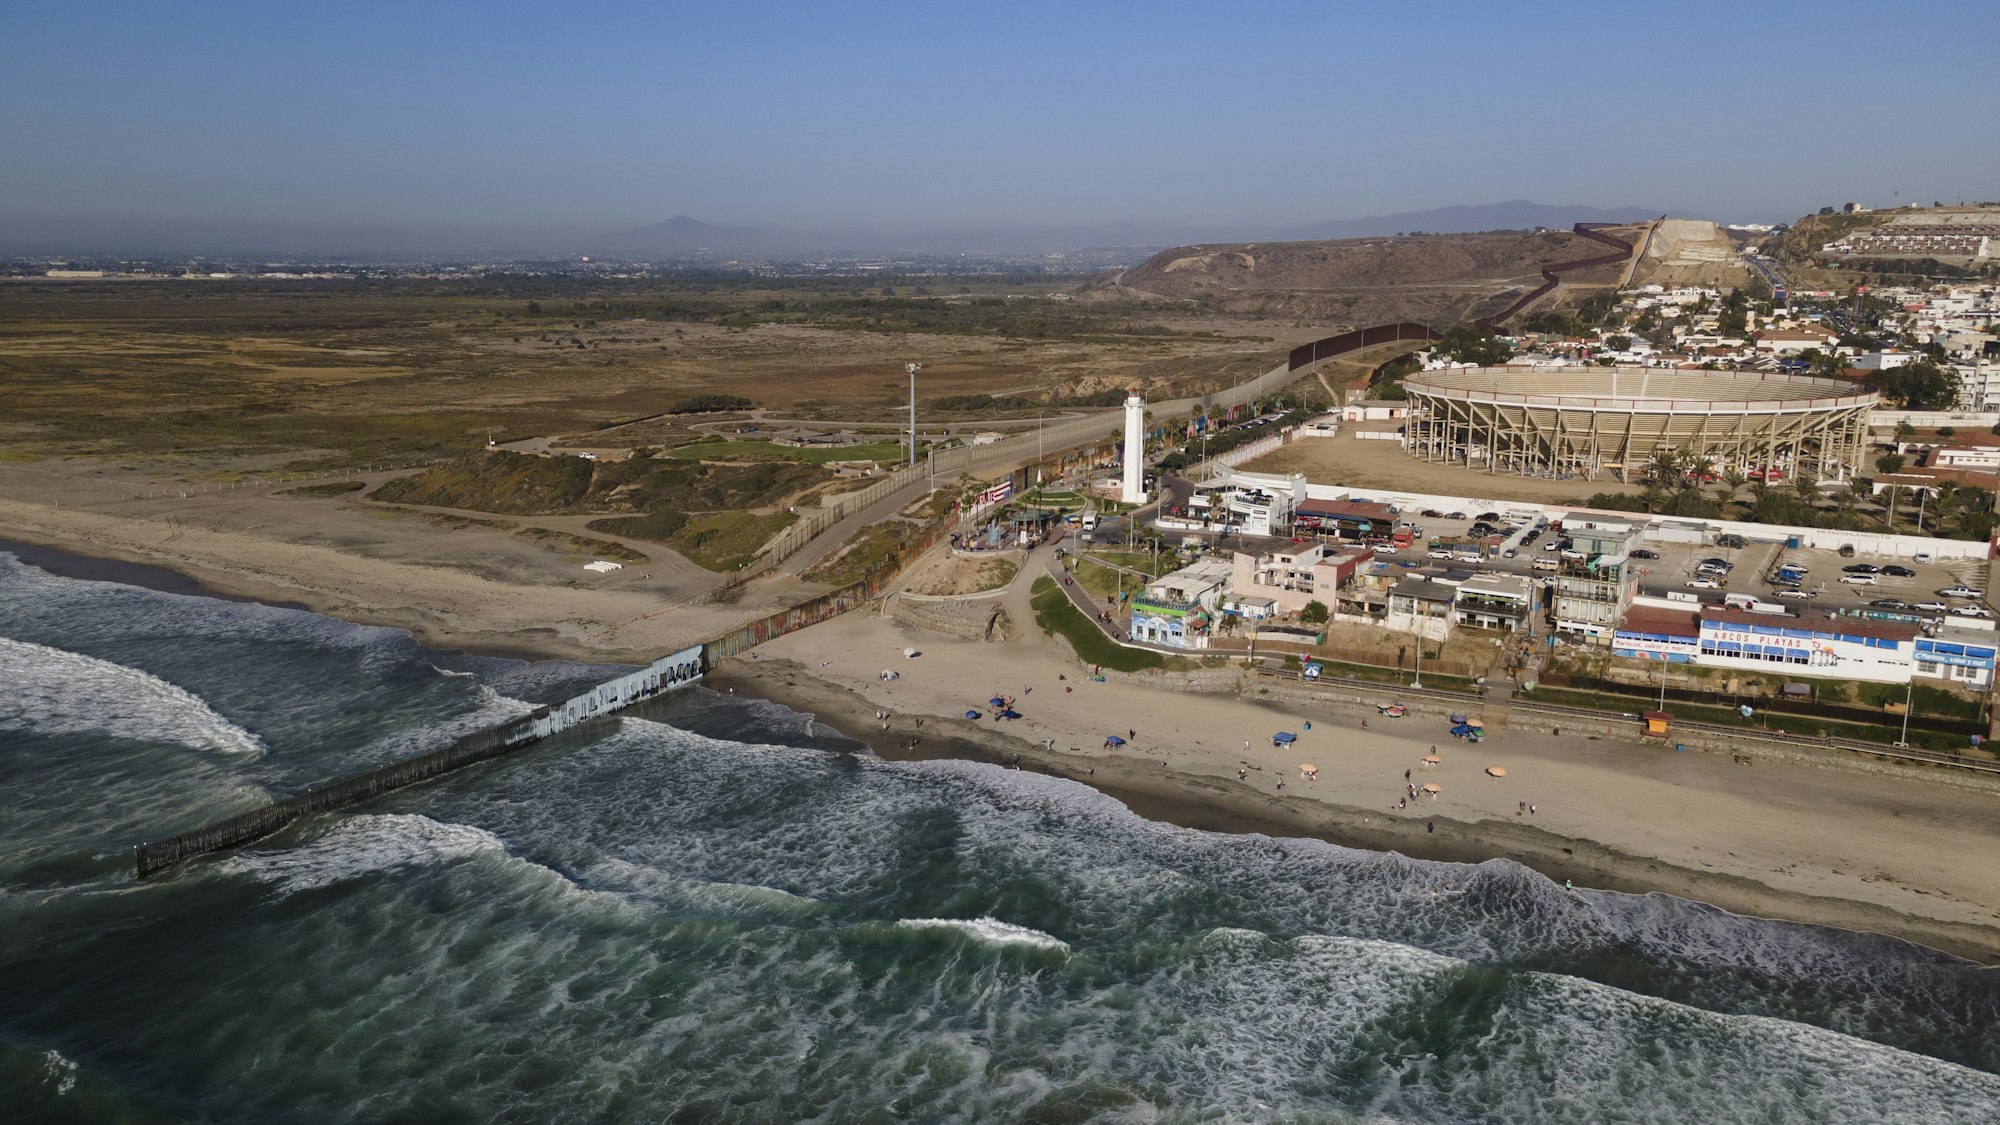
{"x":1751,"y":569}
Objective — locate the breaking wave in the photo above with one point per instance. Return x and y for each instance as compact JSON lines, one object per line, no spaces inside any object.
{"x":54,"y":691}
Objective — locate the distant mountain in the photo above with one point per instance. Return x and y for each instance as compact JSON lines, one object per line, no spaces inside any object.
{"x":1517,"y":214}
{"x":681,"y":235}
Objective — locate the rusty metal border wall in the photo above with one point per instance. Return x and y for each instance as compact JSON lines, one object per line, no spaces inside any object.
{"x":1307,"y":354}
{"x":1551,"y":272}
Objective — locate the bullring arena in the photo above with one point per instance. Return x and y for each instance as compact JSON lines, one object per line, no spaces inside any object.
{"x":1593,"y":422}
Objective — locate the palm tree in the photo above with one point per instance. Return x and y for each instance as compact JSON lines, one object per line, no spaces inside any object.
{"x":1894,"y":492}
{"x":1700,"y":468}
{"x":1943,"y":501}
{"x":1665,"y":468}
{"x":1806,"y":482}
{"x":1653,"y":494}
{"x":1734,"y":478}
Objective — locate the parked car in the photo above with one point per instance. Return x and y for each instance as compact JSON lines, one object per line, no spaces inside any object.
{"x":1958,"y":590}
{"x":1889,"y":603}
{"x":1573,"y":554}
{"x":1858,"y":579}
{"x":1931,"y":607}
{"x":1440,"y":554}
{"x":1796,"y":595}
{"x":1973,"y":611}
{"x":1862,"y":568}
{"x":1899,"y":571}
{"x":1432,"y":514}
{"x":1456,"y":516}
{"x":1711,"y":568}
{"x":1552,"y":545}
{"x":1719,"y":564}
{"x":1922,"y":558}
{"x":1644,"y":554}
{"x":1509,"y":553}
{"x":1703,"y":584}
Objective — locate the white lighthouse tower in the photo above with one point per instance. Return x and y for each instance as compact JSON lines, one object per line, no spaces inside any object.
{"x":1134,"y":491}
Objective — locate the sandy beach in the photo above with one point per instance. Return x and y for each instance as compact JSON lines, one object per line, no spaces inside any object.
{"x":1813,"y":839}
{"x":1807,"y":841}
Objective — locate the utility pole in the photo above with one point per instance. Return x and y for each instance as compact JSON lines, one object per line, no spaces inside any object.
{"x":913,"y":368}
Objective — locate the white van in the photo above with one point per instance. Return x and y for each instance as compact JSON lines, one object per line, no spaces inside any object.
{"x":1090,"y":521}
{"x":1739,"y":601}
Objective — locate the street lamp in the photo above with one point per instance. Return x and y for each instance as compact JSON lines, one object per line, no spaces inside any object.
{"x":913,"y":368}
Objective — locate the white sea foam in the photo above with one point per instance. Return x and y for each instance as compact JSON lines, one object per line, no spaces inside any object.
{"x":55,"y":691}
{"x":364,"y":845}
{"x":989,"y":930}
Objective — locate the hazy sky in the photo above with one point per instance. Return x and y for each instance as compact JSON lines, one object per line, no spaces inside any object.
{"x":973,"y":116}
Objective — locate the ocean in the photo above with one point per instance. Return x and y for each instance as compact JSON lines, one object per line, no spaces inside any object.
{"x":707,"y":911}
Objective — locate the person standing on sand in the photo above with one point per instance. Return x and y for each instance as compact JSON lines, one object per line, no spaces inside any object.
{"x":1406,"y":775}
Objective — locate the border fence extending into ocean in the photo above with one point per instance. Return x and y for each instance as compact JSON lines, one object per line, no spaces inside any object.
{"x":662,"y":675}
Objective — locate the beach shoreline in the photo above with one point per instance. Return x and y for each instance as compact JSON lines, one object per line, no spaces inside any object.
{"x":1193,"y":788}
{"x":1215,"y":805}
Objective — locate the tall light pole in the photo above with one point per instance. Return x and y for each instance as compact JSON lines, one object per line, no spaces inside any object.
{"x":913,"y":368}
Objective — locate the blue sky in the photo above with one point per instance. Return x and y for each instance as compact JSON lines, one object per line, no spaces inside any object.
{"x":943,"y":115}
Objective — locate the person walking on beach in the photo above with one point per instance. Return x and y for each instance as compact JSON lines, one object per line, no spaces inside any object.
{"x":1406,"y":775}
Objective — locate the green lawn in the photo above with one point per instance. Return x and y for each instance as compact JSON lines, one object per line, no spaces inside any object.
{"x":753,"y":450}
{"x":1807,"y":725}
{"x":1055,"y":615}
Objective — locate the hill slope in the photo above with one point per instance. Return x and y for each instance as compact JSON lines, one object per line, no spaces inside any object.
{"x":1430,"y":278}
{"x":1515,"y":214}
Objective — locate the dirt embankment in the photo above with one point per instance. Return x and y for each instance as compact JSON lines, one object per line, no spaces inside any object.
{"x":1434,"y":278}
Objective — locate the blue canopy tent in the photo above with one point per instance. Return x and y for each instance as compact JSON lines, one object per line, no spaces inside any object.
{"x":1113,"y":740}
{"x":1461,"y":730}
{"x":972,"y":714}
{"x":998,"y":701}
{"x":1009,"y":713}
{"x":1284,"y":738}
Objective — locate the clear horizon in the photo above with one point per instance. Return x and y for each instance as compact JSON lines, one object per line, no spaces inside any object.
{"x":449,"y":122}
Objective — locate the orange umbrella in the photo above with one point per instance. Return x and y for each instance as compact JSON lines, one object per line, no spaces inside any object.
{"x":1308,"y":767}
{"x":1433,"y":787}
{"x":1433,"y":759}
{"x":1497,"y":771}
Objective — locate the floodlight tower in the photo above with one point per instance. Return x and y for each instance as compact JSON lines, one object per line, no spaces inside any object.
{"x":913,"y":368}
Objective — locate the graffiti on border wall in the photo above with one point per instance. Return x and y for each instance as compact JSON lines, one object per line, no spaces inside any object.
{"x":665,"y":674}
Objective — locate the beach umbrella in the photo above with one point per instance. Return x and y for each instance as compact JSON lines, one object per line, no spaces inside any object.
{"x":972,"y":714}
{"x":1475,"y":724}
{"x":998,"y":701}
{"x":1010,"y":713}
{"x":1308,"y":767}
{"x":1284,"y":738}
{"x":1456,"y":719}
{"x":1496,"y":771}
{"x":1461,"y":730}
{"x":1114,"y":740}
{"x":1433,"y":787}
{"x":1433,"y":759}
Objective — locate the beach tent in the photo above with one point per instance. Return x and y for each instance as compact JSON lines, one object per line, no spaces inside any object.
{"x":1009,"y":713}
{"x":1284,"y":738}
{"x":1113,"y":740}
{"x":972,"y":714}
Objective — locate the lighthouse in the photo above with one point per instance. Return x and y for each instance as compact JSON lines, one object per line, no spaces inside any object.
{"x":1134,"y":491}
